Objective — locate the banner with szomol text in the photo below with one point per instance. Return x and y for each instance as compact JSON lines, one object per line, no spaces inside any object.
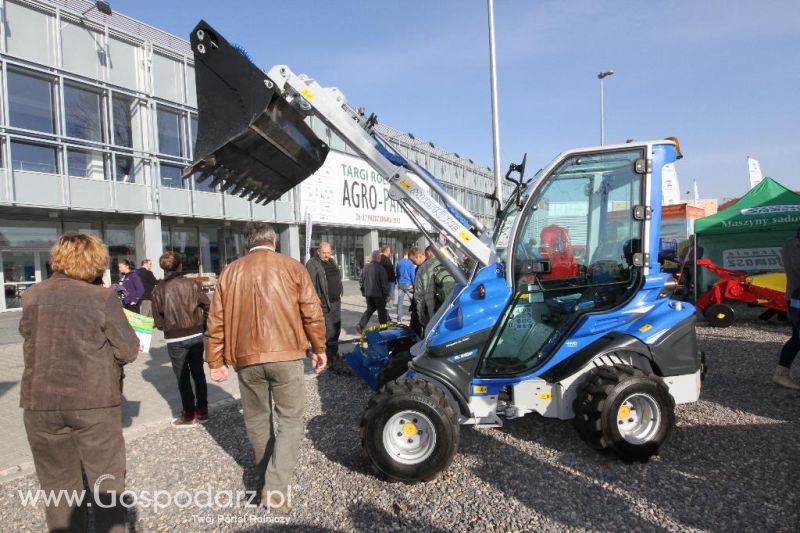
{"x":347,"y":191}
{"x":747,"y":259}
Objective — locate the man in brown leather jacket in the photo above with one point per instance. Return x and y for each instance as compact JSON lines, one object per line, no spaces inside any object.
{"x":180,"y":309}
{"x":264,"y":313}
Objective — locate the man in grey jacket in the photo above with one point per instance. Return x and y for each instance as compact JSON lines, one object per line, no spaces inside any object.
{"x":327,"y":280}
{"x":375,"y":288}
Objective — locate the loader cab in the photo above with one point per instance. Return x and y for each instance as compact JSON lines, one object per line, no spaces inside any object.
{"x":575,"y":247}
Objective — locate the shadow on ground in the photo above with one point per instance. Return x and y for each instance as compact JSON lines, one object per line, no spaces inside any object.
{"x":6,"y":386}
{"x":677,"y":483}
{"x":336,"y":432}
{"x":159,"y":373}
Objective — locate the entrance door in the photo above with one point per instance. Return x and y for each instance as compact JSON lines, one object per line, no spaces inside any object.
{"x":21,"y":269}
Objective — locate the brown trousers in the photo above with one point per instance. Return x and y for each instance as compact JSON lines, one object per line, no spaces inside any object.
{"x":62,"y":441}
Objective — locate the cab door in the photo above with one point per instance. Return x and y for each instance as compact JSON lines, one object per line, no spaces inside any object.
{"x":576,"y":248}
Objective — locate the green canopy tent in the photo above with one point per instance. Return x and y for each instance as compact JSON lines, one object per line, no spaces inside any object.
{"x":749,"y":235}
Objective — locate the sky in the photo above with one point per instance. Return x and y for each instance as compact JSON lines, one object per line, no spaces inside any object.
{"x":721,"y":75}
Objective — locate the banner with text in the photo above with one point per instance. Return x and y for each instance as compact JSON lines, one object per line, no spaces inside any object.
{"x":766,"y":259}
{"x":347,"y":191}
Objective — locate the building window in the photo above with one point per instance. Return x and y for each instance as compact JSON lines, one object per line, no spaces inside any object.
{"x":121,"y":245}
{"x":191,"y":87}
{"x":82,"y":113}
{"x":28,"y":234}
{"x":30,"y":102}
{"x":210,"y":251}
{"x":124,"y":110}
{"x":123,"y":63}
{"x":82,"y":49}
{"x":171,"y":177}
{"x":128,"y":169}
{"x":170,"y":133}
{"x":29,"y":33}
{"x":205,"y":186}
{"x":85,"y":164}
{"x":167,"y":78}
{"x":193,"y":125}
{"x":33,"y":157}
{"x":184,"y":241}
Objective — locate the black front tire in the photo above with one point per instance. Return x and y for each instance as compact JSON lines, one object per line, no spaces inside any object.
{"x":410,"y":395}
{"x":720,"y":315}
{"x":600,"y":400}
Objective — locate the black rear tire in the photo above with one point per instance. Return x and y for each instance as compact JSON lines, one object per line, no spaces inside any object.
{"x":410,"y":395}
{"x":604,"y":396}
{"x":720,"y":315}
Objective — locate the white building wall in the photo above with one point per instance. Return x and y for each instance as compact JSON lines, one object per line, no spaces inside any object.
{"x":122,"y":172}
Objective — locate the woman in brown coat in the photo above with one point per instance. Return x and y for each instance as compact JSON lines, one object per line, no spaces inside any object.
{"x":76,"y":341}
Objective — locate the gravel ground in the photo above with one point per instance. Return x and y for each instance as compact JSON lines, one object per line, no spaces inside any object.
{"x":731,"y":464}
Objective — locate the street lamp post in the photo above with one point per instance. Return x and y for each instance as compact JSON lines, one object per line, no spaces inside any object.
{"x":495,"y":115}
{"x":600,"y":77}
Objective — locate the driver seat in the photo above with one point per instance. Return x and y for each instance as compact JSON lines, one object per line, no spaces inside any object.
{"x":608,"y":262}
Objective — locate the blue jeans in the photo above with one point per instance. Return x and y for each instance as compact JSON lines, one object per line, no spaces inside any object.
{"x":401,"y":296}
{"x":391,"y":294}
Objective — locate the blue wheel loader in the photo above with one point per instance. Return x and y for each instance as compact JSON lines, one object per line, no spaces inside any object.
{"x":564,"y":311}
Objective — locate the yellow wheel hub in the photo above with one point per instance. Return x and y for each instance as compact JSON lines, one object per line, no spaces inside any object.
{"x":624,"y":412}
{"x":410,"y":429}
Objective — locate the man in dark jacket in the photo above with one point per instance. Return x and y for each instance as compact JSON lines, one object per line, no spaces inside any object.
{"x":327,"y":280}
{"x":791,"y":265}
{"x":149,"y":281}
{"x":375,"y":288}
{"x":386,"y":263}
{"x":180,"y":309}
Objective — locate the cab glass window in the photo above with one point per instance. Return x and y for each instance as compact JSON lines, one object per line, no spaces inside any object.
{"x":574,"y":252}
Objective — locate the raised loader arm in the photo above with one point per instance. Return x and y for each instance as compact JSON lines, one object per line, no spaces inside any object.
{"x":252,"y":138}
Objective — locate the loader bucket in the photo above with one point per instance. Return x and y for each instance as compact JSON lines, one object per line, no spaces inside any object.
{"x":250,"y":139}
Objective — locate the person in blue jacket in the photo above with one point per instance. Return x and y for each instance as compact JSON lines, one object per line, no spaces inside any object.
{"x":406,"y":274}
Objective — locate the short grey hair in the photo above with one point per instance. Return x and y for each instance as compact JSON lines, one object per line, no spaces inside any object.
{"x":376,"y":255}
{"x":259,"y":233}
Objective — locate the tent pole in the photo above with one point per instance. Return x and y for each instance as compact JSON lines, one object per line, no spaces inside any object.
{"x":694,"y":266}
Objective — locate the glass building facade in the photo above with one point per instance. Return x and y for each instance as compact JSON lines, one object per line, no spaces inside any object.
{"x":97,"y":121}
